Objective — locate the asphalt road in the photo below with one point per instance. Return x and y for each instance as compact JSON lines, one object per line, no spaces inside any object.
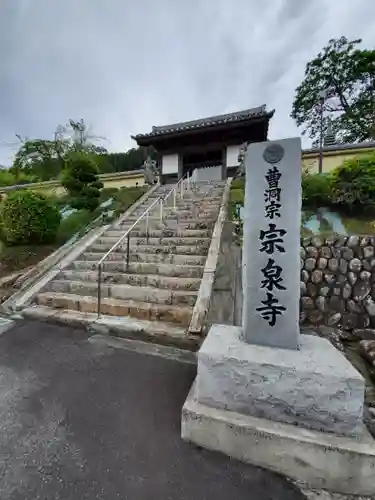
{"x":86,"y":421}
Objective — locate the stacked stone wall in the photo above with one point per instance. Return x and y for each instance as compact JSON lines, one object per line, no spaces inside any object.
{"x":338,"y":281}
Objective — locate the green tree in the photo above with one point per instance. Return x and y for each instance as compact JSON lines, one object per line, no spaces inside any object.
{"x":346,"y":72}
{"x":44,"y":159}
{"x":124,"y":162}
{"x":9,"y":179}
{"x":28,"y":217}
{"x":81,"y":138}
{"x":80,"y":179}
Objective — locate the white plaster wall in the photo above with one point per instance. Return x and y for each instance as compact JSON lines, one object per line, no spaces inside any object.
{"x":170,"y":164}
{"x":232,"y":155}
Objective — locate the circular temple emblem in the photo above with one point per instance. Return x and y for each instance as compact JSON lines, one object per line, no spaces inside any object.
{"x":273,"y":153}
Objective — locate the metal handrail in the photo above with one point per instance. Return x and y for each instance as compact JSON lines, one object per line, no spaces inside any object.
{"x":161,"y":200}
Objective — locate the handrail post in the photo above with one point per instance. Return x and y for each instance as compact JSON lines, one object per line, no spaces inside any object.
{"x":161,"y":200}
{"x":182,"y":189}
{"x":99,"y":287}
{"x":161,"y":210}
{"x":127,"y":251}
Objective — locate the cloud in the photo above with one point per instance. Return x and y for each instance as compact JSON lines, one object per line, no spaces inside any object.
{"x":125,"y":65}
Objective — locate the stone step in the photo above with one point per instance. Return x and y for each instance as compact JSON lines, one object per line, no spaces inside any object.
{"x":168,"y":205}
{"x":171,"y":224}
{"x":150,"y":280}
{"x":204,"y":193}
{"x":198,"y":190}
{"x":163,"y":241}
{"x":191,"y":200}
{"x":62,"y":316}
{"x":125,"y":292}
{"x":204,"y":201}
{"x":185,"y":260}
{"x":117,"y":307}
{"x":209,"y":184}
{"x":202,"y":189}
{"x":161,"y":190}
{"x":187,"y":209}
{"x":119,"y":266}
{"x":124,"y":326}
{"x":160,"y":233}
{"x":181,"y":204}
{"x":174,"y":218}
{"x":151,"y":249}
{"x":171,"y":213}
{"x":194,"y":214}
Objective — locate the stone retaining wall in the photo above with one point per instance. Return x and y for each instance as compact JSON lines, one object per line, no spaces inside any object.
{"x":338,"y":281}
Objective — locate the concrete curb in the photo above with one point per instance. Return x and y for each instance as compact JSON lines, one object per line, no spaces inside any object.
{"x":320,"y":460}
{"x":204,"y":294}
{"x":53,"y":264}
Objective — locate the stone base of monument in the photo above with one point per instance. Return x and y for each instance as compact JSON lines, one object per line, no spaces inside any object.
{"x":297,"y":412}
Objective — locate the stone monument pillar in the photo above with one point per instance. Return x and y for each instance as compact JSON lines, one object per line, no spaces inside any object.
{"x":270,"y":370}
{"x":271,"y":251}
{"x":266,"y":375}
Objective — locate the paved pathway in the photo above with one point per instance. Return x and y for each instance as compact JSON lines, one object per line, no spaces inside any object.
{"x":81,"y":420}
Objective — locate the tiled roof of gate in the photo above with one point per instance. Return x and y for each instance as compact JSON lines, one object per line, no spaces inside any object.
{"x":247,"y":114}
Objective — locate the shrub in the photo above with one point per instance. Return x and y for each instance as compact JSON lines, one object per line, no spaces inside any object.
{"x":80,"y":179}
{"x":7,"y":178}
{"x":353,"y":184}
{"x":316,"y":190}
{"x":28,"y":217}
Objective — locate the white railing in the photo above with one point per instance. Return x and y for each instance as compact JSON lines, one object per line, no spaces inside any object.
{"x":179,"y":189}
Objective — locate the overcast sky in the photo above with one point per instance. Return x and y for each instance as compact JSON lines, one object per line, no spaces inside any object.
{"x":125,"y":65}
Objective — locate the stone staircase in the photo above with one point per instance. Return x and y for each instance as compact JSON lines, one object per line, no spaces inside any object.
{"x":154,"y":296}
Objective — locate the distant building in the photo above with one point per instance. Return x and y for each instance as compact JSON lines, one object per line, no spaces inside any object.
{"x":208,"y":142}
{"x":216,"y":142}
